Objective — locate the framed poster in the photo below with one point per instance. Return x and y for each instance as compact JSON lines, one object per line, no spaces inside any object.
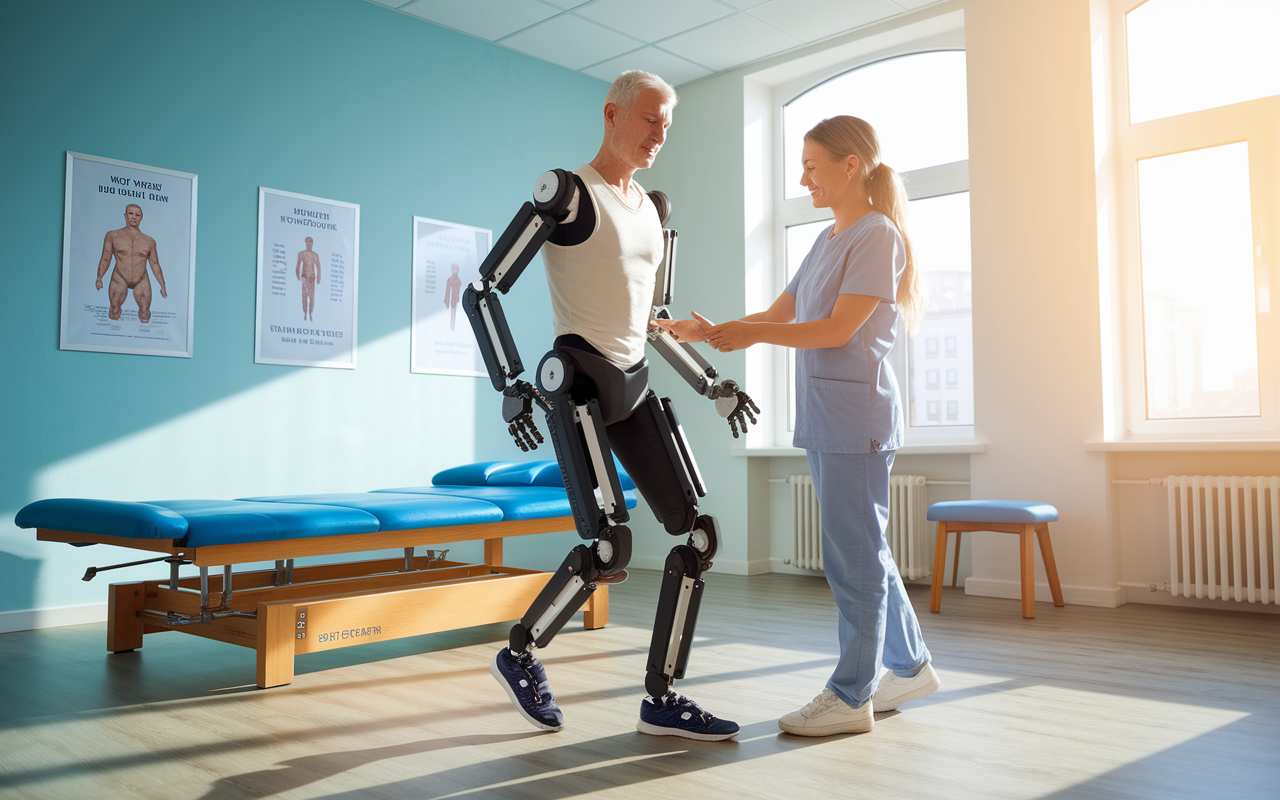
{"x":308,"y":280}
{"x":128,"y":258}
{"x":446,"y":258}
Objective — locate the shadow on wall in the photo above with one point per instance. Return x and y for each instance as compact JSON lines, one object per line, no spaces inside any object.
{"x":18,"y":589}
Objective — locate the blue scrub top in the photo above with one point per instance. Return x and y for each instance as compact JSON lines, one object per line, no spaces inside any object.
{"x":847,"y":397}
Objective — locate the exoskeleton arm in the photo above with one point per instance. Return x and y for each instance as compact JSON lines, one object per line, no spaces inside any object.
{"x":519,"y":243}
{"x":731,"y":402}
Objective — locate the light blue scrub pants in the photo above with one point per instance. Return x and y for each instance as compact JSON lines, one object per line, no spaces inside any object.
{"x":877,"y":623}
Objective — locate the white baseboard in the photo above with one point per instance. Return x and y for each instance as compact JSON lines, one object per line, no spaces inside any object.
{"x":35,"y":618}
{"x":1139,"y":593}
{"x":1100,"y":596}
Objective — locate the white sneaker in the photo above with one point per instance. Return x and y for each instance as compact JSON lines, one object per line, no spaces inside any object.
{"x":894,"y":691}
{"x":826,"y":715}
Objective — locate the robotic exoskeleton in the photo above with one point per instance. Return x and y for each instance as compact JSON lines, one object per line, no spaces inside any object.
{"x":595,"y":409}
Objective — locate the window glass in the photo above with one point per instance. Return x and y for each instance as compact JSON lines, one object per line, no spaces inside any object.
{"x":1199,"y":319}
{"x":917,"y":104}
{"x":953,"y":410}
{"x":940,"y":244}
{"x":1188,"y":55}
{"x":931,"y":378}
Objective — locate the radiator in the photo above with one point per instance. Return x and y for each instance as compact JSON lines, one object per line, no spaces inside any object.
{"x":907,"y":534}
{"x":1224,"y":537}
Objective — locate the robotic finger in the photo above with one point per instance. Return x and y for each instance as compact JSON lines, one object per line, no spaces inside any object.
{"x":736,"y":406}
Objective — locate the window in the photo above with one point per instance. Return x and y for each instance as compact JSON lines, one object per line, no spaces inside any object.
{"x":933,"y":410}
{"x":916,"y":100}
{"x":953,"y":378}
{"x":953,"y":410}
{"x":1235,"y":55}
{"x":1193,"y":333}
{"x":931,"y":379}
{"x":951,"y":347}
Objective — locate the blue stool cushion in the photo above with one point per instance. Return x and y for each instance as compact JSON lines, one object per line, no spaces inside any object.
{"x":401,"y":512}
{"x":513,"y":473}
{"x":1014,"y":511}
{"x":103,"y":517}
{"x":211,"y":522}
{"x":516,"y":502}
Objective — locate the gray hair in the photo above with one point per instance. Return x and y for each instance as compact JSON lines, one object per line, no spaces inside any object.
{"x":628,"y":86}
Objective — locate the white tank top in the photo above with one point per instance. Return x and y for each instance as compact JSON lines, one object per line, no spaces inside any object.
{"x":602,"y":289}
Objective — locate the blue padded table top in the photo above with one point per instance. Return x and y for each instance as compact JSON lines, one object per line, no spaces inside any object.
{"x":103,"y":517}
{"x":515,"y":502}
{"x":211,"y":522}
{"x":1015,"y":511}
{"x":514,"y":473}
{"x":196,"y":523}
{"x":403,"y":512}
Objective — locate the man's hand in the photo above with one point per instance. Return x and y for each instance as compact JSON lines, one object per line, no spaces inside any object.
{"x":163,"y":293}
{"x":683,"y":330}
{"x":99,"y":284}
{"x":729,"y":336}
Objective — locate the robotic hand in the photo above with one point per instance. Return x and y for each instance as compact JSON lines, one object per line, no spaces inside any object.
{"x":517,"y":412}
{"x":734,"y":405}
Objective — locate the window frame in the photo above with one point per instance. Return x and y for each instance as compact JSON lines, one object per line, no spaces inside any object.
{"x":1248,"y":122}
{"x":922,"y":183}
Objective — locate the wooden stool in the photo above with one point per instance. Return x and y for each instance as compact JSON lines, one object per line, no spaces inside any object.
{"x":1002,"y":516}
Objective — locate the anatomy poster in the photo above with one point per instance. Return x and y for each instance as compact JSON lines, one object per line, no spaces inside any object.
{"x":308,"y":273}
{"x":446,"y":258}
{"x":128,"y":258}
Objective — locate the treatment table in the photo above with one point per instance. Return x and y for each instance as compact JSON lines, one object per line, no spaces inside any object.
{"x":288,"y":610}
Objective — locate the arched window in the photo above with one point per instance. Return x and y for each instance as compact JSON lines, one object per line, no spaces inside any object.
{"x":919,"y":107}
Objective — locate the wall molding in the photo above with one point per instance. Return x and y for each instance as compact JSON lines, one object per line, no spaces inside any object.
{"x":36,"y":618}
{"x":1099,"y":596}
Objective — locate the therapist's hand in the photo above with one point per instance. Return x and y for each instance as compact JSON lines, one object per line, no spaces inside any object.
{"x":729,"y":336}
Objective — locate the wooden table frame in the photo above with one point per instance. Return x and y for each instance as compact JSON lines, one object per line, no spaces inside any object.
{"x":328,"y":606}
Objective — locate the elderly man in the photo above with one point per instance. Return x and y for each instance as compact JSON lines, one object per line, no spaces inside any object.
{"x":603,"y":256}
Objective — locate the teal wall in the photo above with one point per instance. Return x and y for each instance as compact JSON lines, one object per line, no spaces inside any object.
{"x":336,"y":98}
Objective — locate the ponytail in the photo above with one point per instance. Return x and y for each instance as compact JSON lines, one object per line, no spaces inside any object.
{"x":845,"y":136}
{"x":889,"y":197}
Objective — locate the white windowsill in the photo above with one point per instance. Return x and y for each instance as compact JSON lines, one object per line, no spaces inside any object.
{"x":940,"y":448}
{"x":1182,"y":446}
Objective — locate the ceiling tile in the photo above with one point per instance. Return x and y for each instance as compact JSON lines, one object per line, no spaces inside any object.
{"x":654,"y":19}
{"x":813,"y":20}
{"x":673,"y":69}
{"x":728,"y":42}
{"x":490,"y":20}
{"x":570,"y":41}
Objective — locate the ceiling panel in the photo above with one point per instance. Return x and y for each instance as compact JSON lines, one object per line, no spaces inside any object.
{"x":813,"y":20}
{"x":683,"y":40}
{"x":728,"y":42}
{"x":571,"y":42}
{"x":654,"y":19}
{"x":489,"y":20}
{"x":672,"y":69}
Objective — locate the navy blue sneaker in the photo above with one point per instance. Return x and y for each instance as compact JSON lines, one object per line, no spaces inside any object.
{"x":526,"y":683}
{"x":677,"y":715}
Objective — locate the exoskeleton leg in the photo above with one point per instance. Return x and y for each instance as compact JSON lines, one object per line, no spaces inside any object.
{"x":678,"y":604}
{"x":570,"y":586}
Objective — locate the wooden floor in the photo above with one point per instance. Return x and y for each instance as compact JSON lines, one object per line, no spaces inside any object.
{"x":1139,"y":701}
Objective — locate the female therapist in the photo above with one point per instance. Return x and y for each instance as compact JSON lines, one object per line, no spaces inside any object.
{"x":844,"y":300}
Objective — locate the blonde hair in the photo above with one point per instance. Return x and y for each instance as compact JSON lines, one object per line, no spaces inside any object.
{"x":846,"y":136}
{"x":628,"y":86}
